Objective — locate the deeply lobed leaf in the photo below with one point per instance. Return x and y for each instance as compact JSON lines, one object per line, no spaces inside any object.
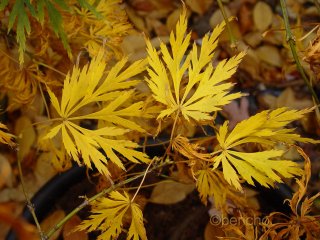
{"x":90,"y":85}
{"x":108,"y":216}
{"x":186,"y":82}
{"x":265,"y":167}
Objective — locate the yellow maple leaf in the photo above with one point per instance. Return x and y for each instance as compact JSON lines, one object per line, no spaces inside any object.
{"x":90,"y":85}
{"x":186,"y":83}
{"x":266,"y":128}
{"x":108,"y":214}
{"x":209,"y":184}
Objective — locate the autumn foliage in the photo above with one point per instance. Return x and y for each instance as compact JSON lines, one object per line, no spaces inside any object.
{"x":83,"y":77}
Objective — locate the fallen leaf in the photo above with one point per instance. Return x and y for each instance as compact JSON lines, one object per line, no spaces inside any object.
{"x":50,"y":221}
{"x":286,"y":99}
{"x":172,"y":19}
{"x":14,"y":209}
{"x":136,"y":20}
{"x":269,"y":54}
{"x":5,"y":172}
{"x":142,"y":5}
{"x":262,"y":16}
{"x":23,"y":229}
{"x":253,"y":39}
{"x":26,"y":135}
{"x":199,"y":6}
{"x":11,"y":194}
{"x":44,"y":169}
{"x":237,"y":112}
{"x":245,"y":18}
{"x":68,"y":232}
{"x":170,"y":192}
{"x":216,"y":18}
{"x":213,"y":232}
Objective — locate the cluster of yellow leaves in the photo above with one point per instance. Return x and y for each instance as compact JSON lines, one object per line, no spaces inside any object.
{"x":47,"y":59}
{"x":266,"y":167}
{"x":109,"y":214}
{"x":280,"y":226}
{"x":209,"y":182}
{"x":264,"y":128}
{"x":90,"y":85}
{"x":20,"y":82}
{"x":186,"y":83}
{"x":83,"y":26}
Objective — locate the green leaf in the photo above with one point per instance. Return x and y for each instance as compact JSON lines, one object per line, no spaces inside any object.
{"x":86,"y":5}
{"x":56,"y":23}
{"x":3,"y":4}
{"x":19,"y":14}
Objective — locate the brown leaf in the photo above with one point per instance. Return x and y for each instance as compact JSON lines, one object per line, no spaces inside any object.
{"x":199,"y":6}
{"x":5,"y":172}
{"x":170,"y":192}
{"x":236,"y":113}
{"x":172,"y":19}
{"x":49,"y":222}
{"x":26,"y":135}
{"x":44,"y":169}
{"x":216,"y":18}
{"x":213,"y":232}
{"x":68,"y":232}
{"x":286,"y":99}
{"x":245,"y":18}
{"x":269,"y":54}
{"x":23,"y":229}
{"x":299,"y":223}
{"x":262,"y":16}
{"x":253,"y":39}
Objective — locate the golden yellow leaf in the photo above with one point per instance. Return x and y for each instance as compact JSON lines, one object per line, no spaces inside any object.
{"x":209,"y":184}
{"x":94,"y":32}
{"x":108,"y":214}
{"x":186,"y":83}
{"x":265,"y":167}
{"x":90,"y":85}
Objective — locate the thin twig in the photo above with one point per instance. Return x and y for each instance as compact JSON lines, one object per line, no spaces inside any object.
{"x":292,"y":44}
{"x":44,"y":100}
{"x":317,"y":4}
{"x":29,"y":203}
{"x":100,"y":194}
{"x":142,"y":181}
{"x":233,"y":40}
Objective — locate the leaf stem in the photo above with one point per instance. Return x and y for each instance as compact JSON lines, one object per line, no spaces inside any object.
{"x":292,"y":44}
{"x":233,"y":40}
{"x":174,"y":127}
{"x":100,"y":194}
{"x":44,"y":100}
{"x":51,"y":120}
{"x":143,"y":178}
{"x":29,"y":203}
